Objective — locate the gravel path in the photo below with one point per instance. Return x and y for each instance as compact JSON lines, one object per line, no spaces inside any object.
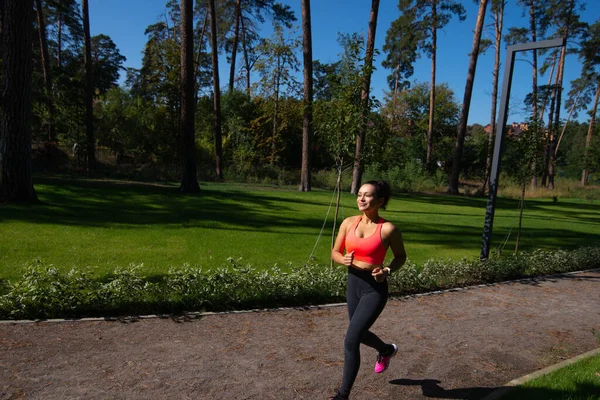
{"x":453,"y":345}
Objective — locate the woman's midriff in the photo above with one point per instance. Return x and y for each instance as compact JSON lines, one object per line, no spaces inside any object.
{"x":364,"y":266}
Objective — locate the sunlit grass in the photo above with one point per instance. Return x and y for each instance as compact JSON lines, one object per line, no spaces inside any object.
{"x":579,"y":381}
{"x":563,"y":189}
{"x":103,"y":224}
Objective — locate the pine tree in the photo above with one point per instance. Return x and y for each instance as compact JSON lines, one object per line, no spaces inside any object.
{"x":308,"y":98}
{"x":189,"y":182}
{"x":16,"y":183}
{"x":365,"y":108}
{"x":419,"y":22}
{"x":464,"y":116}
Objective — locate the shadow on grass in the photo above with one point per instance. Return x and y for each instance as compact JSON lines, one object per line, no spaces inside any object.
{"x":98,"y":203}
{"x":431,"y":388}
{"x":562,"y":209}
{"x":464,"y":237}
{"x":582,"y":391}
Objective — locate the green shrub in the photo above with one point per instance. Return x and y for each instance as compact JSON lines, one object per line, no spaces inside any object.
{"x":126,"y":291}
{"x":262,"y":174}
{"x":443,"y":274}
{"x":242,"y":286}
{"x":408,"y":178}
{"x":327,"y":179}
{"x":45,"y":292}
{"x":189,"y":286}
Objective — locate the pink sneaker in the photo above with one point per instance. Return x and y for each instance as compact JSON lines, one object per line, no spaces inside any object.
{"x":383,"y":362}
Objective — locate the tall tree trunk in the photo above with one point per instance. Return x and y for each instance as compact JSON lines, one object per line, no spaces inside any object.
{"x":16,"y":184}
{"x":308,"y":98}
{"x":396,"y":79}
{"x":89,"y":89}
{"x":368,"y":69}
{"x":276,"y":83}
{"x":429,"y":156}
{"x":199,"y":54}
{"x":521,"y":208}
{"x":498,"y":25}
{"x":555,"y":124}
{"x":338,"y":187}
{"x":464,"y":116}
{"x":564,"y":128}
{"x":549,"y":146}
{"x":216,"y":89}
{"x":59,"y":41}
{"x":561,"y":71}
{"x":533,"y":29}
{"x":550,"y":76}
{"x":588,"y":140}
{"x":236,"y":33}
{"x":395,"y":100}
{"x":189,"y":182}
{"x":48,"y":97}
{"x":246,"y":56}
{"x":534,"y":111}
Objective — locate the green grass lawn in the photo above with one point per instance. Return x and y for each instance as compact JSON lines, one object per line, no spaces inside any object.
{"x":104,"y":224}
{"x":579,"y":381}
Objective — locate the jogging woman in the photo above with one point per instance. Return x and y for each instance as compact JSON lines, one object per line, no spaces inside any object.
{"x":361,"y":245}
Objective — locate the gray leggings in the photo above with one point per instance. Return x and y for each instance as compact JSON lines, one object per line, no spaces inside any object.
{"x":366,"y":300}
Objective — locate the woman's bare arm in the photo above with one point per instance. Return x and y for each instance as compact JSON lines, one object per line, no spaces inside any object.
{"x":393,"y":237}
{"x":397,"y":246}
{"x":338,"y":247}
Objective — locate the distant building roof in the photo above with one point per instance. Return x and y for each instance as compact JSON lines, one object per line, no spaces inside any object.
{"x":514,"y":129}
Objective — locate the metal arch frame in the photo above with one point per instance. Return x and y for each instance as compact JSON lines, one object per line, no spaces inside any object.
{"x":500,"y":128}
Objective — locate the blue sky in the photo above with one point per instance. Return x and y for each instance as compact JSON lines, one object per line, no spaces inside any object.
{"x":126,"y":20}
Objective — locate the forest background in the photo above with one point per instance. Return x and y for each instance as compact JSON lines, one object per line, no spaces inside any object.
{"x":126,"y":22}
{"x":251,"y":124}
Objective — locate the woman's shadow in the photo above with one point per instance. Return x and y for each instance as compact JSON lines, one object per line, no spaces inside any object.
{"x":431,"y":388}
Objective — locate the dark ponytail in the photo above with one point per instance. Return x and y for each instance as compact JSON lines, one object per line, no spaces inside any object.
{"x":382,"y":191}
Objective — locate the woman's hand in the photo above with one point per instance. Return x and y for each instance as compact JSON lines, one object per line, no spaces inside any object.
{"x":380,"y":274}
{"x":349,"y":258}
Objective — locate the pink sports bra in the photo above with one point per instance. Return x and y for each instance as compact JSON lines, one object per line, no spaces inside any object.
{"x":369,"y":249}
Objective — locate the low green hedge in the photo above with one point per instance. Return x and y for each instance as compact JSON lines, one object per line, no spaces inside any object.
{"x":45,"y":292}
